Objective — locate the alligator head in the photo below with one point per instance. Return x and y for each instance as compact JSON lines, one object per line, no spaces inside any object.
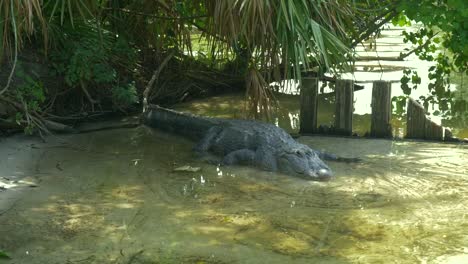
{"x":302,"y":161}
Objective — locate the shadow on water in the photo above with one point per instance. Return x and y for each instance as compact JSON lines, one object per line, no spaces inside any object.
{"x":113,"y":197}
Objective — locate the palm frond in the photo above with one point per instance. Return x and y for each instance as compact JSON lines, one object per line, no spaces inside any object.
{"x":289,"y":35}
{"x":18,"y":20}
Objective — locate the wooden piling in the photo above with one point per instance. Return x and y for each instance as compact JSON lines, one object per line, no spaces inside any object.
{"x":415,"y":120}
{"x":309,"y":103}
{"x":344,"y":98}
{"x":419,"y":126}
{"x":381,"y":109}
{"x":433,"y":131}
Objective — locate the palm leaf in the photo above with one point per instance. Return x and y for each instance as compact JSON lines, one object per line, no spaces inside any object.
{"x":18,"y":20}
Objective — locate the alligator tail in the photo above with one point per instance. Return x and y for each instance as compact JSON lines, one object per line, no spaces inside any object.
{"x":184,"y":124}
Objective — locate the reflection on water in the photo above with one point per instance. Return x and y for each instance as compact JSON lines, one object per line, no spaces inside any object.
{"x":114,"y":198}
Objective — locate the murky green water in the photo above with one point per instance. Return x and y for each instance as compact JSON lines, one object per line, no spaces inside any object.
{"x":113,"y":197}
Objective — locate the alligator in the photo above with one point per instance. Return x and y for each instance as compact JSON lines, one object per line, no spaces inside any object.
{"x":245,"y":142}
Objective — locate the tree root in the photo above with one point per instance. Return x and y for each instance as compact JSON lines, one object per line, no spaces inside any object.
{"x":46,"y":124}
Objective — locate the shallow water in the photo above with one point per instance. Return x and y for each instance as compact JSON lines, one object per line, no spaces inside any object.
{"x":113,"y":197}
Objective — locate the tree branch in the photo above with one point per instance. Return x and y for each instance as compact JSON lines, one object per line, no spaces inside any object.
{"x":428,"y":41}
{"x":154,"y":78}
{"x":386,"y":17}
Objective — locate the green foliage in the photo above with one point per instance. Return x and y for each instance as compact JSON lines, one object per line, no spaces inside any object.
{"x":443,"y":39}
{"x":298,"y":34}
{"x":4,"y":255}
{"x":101,"y":62}
{"x":124,"y":95}
{"x":399,"y":105}
{"x":401,"y":20}
{"x":104,"y":49}
{"x":450,"y":17}
{"x":409,"y":77}
{"x":30,"y":92}
{"x":83,"y":59}
{"x":67,"y":9}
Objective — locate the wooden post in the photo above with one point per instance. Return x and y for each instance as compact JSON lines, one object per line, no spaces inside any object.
{"x":381,"y":109}
{"x":419,"y":126}
{"x":309,"y":103}
{"x":415,"y":120}
{"x":433,"y":131}
{"x":344,"y":98}
{"x":448,"y":134}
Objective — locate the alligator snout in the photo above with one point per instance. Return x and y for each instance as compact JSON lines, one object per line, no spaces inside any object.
{"x":322,"y":174}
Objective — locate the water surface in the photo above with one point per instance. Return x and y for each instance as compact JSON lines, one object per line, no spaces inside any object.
{"x":113,"y":197}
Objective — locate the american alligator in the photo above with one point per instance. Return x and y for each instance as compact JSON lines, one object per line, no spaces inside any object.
{"x":262,"y":145}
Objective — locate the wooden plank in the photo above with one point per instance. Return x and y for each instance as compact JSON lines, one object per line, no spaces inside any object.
{"x":344,"y":98}
{"x":415,"y":120}
{"x":309,"y":103}
{"x":381,"y":109}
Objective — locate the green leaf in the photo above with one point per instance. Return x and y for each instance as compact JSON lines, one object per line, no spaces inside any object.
{"x":415,"y":79}
{"x":3,"y":255}
{"x":404,"y":80}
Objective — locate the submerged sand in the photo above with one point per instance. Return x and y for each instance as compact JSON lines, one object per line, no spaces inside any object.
{"x":113,"y":197}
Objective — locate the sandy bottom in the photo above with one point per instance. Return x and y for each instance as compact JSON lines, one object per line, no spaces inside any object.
{"x":113,"y":197}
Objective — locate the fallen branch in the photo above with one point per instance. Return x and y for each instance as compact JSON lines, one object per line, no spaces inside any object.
{"x":58,"y":127}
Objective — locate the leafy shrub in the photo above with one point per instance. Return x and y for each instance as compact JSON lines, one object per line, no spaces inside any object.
{"x":124,"y":95}
{"x":30,"y":93}
{"x":102,"y":63}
